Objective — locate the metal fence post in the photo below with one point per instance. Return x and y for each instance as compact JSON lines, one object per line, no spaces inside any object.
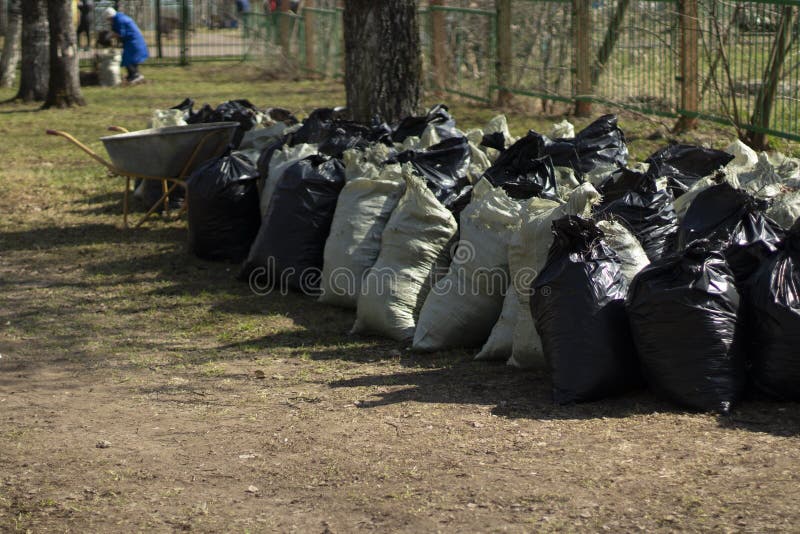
{"x":689,"y":64}
{"x":159,"y":49}
{"x":504,"y":54}
{"x":310,"y":35}
{"x":184,"y":43}
{"x":582,"y":28}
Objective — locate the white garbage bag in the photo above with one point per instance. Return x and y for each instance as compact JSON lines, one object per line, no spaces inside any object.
{"x":744,"y":157}
{"x":499,"y":344}
{"x":563,"y":130}
{"x":785,"y":209}
{"x":624,"y":243}
{"x":463,"y":306}
{"x":394,"y":289}
{"x":362,"y":211}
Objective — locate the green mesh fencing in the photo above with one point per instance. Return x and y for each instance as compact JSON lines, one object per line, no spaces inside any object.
{"x":750,"y":56}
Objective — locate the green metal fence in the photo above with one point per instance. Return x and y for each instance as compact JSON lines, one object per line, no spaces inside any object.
{"x":635,"y":54}
{"x":181,"y":31}
{"x":746,"y":48}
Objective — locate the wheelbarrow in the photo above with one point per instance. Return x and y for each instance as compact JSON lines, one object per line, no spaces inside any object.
{"x":168,"y":155}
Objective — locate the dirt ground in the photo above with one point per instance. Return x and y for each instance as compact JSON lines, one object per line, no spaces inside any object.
{"x":142,"y":389}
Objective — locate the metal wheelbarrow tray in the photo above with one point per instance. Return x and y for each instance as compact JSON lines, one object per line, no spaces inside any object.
{"x":167,"y":154}
{"x":165,"y":151}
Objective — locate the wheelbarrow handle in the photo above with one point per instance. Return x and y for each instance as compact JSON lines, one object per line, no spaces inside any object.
{"x":83,"y":147}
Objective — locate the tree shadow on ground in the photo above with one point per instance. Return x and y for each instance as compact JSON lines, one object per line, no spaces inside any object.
{"x":519,"y":394}
{"x":513,"y":392}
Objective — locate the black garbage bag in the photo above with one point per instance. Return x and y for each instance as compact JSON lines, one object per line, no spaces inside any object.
{"x":773,"y":321}
{"x":442,"y":121}
{"x":599,"y":146}
{"x":684,"y":312}
{"x":523,"y":172}
{"x":578,"y":304}
{"x":241,"y":111}
{"x":266,"y":156}
{"x":444,"y":167}
{"x":494,"y":140}
{"x":150,"y":191}
{"x":345,"y":135}
{"x":223,"y":208}
{"x":727,"y":216}
{"x":317,"y":127}
{"x":685,"y":165}
{"x":281,"y":115}
{"x":328,"y":128}
{"x":635,"y":200}
{"x":288,"y":250}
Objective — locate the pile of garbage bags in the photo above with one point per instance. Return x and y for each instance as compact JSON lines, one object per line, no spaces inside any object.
{"x":547,"y":251}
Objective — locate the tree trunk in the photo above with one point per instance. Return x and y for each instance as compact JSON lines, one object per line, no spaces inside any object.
{"x":10,"y":58}
{"x":35,"y":52}
{"x":383,"y":67}
{"x":65,"y":87}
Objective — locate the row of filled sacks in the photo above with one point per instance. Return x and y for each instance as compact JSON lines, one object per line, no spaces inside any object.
{"x":307,"y":184}
{"x":693,"y":337}
{"x":331,"y":168}
{"x":386,"y":270}
{"x":692,"y":325}
{"x":299,"y":156}
{"x":636,"y":211}
{"x":230,"y":194}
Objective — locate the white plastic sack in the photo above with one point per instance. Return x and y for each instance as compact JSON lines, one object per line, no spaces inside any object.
{"x":785,"y":208}
{"x":166,"y":117}
{"x":499,"y":344}
{"x":563,"y":130}
{"x":362,"y":211}
{"x":499,"y":124}
{"x":771,"y":176}
{"x":463,"y":306}
{"x":478,"y":163}
{"x":366,"y":163}
{"x":394,"y":289}
{"x":281,"y":160}
{"x":565,"y":181}
{"x":624,"y":243}
{"x":744,"y":157}
{"x":108,"y":72}
{"x":527,"y":255}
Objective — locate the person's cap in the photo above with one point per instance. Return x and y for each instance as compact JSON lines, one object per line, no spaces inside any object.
{"x":109,"y":13}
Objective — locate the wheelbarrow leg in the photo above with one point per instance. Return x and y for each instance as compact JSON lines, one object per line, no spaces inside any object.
{"x":125,"y":201}
{"x":165,"y":195}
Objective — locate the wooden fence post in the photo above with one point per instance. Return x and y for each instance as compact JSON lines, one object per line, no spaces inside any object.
{"x":504,"y":52}
{"x":582,"y":28}
{"x":439,"y":52}
{"x":689,"y":64}
{"x":310,"y":35}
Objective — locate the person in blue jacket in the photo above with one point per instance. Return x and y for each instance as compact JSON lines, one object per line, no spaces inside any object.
{"x":134,"y":49}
